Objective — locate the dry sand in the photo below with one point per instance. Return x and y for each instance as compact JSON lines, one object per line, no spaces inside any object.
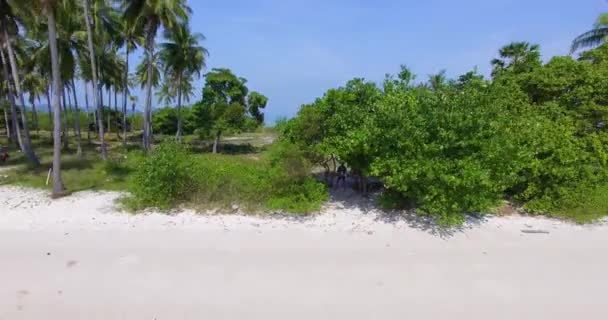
{"x":78,"y":258}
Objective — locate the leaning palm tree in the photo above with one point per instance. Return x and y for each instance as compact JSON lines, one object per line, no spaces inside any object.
{"x":148,"y":16}
{"x":182,"y":58}
{"x":593,"y":37}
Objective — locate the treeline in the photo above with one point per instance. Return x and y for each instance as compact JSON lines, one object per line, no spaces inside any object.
{"x":534,"y":133}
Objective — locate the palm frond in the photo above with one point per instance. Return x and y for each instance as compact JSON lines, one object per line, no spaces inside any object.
{"x":590,"y":38}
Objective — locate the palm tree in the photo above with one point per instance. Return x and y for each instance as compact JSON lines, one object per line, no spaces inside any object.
{"x":517,"y":57}
{"x":8,"y":32}
{"x":148,"y":16}
{"x":96,"y":102}
{"x":593,"y":37}
{"x":131,"y":40}
{"x":141,"y":71}
{"x":182,"y":58}
{"x":35,"y":8}
{"x":35,"y":86}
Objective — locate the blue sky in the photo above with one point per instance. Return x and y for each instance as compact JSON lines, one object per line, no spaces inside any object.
{"x":293,"y":51}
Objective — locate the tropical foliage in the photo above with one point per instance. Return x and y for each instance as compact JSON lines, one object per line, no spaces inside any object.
{"x":534,"y":133}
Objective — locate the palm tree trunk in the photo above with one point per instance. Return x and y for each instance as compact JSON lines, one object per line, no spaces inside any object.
{"x":148,"y":108}
{"x":48,"y":105}
{"x":86,"y":105}
{"x":69,"y":99}
{"x":34,"y":113}
{"x":58,"y":187}
{"x":115,"y":100}
{"x":100,"y":93}
{"x":66,"y":125}
{"x":178,"y":135}
{"x":7,"y":125}
{"x":116,"y":110}
{"x":104,"y":152}
{"x":109,"y":109}
{"x":124,"y":99}
{"x":17,"y":130}
{"x":77,"y":121}
{"x":17,"y":83}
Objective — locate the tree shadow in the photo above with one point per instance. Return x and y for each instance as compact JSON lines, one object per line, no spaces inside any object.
{"x":227,"y":148}
{"x":346,"y":197}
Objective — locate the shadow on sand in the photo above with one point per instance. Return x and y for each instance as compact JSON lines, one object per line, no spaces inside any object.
{"x":347,"y":198}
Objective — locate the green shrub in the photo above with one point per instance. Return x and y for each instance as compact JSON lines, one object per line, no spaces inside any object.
{"x":171,"y":176}
{"x":584,"y":204}
{"x":299,"y":197}
{"x":163,"y":178}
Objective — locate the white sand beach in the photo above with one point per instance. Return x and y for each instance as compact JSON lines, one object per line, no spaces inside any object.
{"x":79,"y":258}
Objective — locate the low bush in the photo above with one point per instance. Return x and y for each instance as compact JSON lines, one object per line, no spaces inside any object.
{"x":172,"y":176}
{"x":163,"y":178}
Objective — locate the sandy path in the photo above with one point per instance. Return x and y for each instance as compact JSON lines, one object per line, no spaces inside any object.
{"x":76,"y":258}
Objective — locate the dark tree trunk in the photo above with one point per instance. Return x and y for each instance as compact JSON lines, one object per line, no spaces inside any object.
{"x":48,"y":104}
{"x":216,"y":142}
{"x":66,"y":125}
{"x":86,"y":105}
{"x":178,"y":135}
{"x":116,"y":110}
{"x":77,"y":121}
{"x":124,"y":99}
{"x":34,"y":113}
{"x":7,"y":124}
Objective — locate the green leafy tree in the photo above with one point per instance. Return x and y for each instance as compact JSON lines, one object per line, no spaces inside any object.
{"x":256,"y":103}
{"x":224,"y":102}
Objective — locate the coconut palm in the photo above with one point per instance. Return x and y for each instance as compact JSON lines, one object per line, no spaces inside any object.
{"x":38,"y":8}
{"x":35,"y":85}
{"x":94,"y":80}
{"x":9,"y":31}
{"x":182,"y":58}
{"x":141,"y":71}
{"x":147,"y":16}
{"x":131,"y":40}
{"x":517,"y":57}
{"x":593,"y":37}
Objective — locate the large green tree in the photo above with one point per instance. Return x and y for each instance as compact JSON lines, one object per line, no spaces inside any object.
{"x":223,"y":106}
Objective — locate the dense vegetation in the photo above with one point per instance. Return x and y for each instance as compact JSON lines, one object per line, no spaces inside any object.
{"x":535,"y":133}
